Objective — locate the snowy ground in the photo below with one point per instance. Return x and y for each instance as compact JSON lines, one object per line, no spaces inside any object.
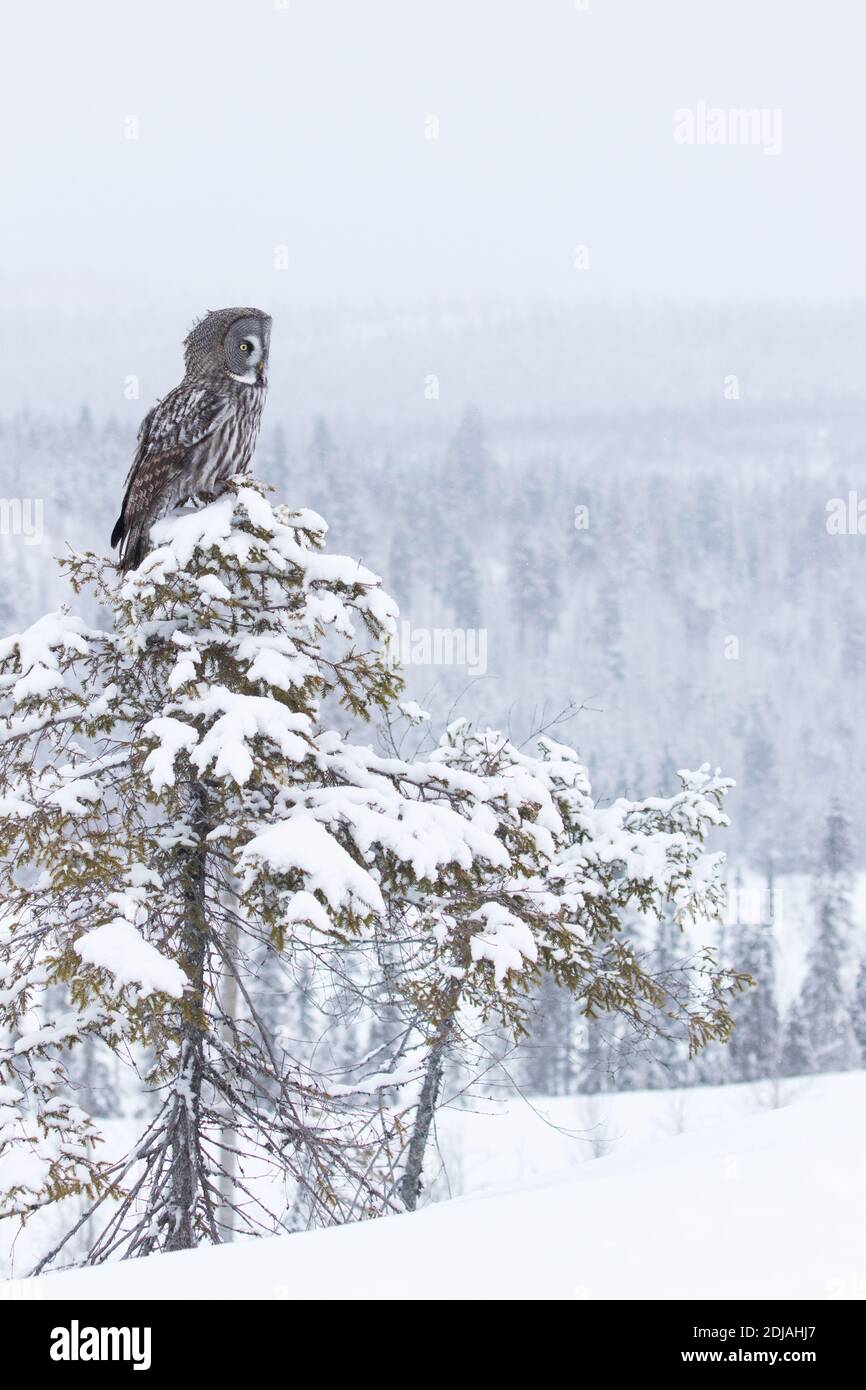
{"x":749,"y":1201}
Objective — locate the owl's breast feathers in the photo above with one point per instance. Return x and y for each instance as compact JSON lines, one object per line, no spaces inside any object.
{"x":189,"y":445}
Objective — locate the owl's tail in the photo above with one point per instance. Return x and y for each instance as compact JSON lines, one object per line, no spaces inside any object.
{"x":132,"y":542}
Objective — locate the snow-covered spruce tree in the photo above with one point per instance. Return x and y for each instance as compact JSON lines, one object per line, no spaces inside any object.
{"x":755,"y":1048}
{"x":557,"y":903}
{"x":796,"y":1058}
{"x":824,"y":1007}
{"x":138,"y":767}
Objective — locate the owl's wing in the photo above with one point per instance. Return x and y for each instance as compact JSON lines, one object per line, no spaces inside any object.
{"x":169,"y":432}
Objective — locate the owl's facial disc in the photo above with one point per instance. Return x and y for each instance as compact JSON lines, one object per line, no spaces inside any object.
{"x":246,"y":352}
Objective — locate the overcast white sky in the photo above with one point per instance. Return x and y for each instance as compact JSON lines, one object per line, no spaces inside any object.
{"x":305,"y":126}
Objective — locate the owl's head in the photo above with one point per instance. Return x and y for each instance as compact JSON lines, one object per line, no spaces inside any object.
{"x":234,"y":342}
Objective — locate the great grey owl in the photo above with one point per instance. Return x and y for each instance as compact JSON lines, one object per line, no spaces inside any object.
{"x":202,"y":432}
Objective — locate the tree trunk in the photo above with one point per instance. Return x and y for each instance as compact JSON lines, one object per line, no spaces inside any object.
{"x":410,"y":1183}
{"x":184,"y":1129}
{"x":228,"y":1138}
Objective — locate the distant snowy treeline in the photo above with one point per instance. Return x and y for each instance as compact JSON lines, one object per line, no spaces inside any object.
{"x":673,"y":575}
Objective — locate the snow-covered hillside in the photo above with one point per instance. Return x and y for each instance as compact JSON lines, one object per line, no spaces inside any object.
{"x":765,"y":1204}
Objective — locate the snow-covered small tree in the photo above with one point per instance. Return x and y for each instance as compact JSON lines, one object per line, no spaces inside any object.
{"x":574,"y":875}
{"x":824,"y":1007}
{"x":796,"y":1058}
{"x":756,"y":1041}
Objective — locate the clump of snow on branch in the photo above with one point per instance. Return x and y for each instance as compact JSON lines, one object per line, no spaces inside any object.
{"x":121,"y":950}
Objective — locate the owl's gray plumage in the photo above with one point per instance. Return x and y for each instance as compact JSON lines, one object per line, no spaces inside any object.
{"x":202,"y":432}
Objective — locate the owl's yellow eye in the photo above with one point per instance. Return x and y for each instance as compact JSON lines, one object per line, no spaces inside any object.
{"x":245,"y":347}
